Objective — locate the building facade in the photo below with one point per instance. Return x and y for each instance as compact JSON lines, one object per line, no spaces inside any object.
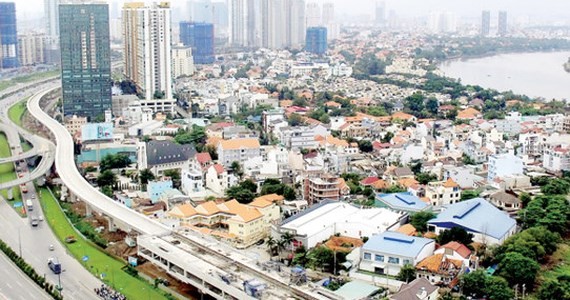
{"x":316,"y":40}
{"x":502,"y":30}
{"x":32,"y":49}
{"x":85,"y":59}
{"x":199,"y":36}
{"x":147,"y":48}
{"x":51,"y":16}
{"x":182,"y":61}
{"x":485,"y":23}
{"x":8,"y":36}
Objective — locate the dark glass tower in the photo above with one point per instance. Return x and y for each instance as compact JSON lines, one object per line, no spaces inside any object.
{"x":85,"y":59}
{"x":8,"y":36}
{"x":199,"y":36}
{"x":316,"y":40}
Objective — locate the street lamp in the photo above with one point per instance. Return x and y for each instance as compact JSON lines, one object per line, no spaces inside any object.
{"x":19,"y":242}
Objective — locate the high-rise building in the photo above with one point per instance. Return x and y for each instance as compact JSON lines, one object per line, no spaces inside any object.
{"x":147,"y":48}
{"x":442,"y":22}
{"x":51,"y":16}
{"x":295,"y":23}
{"x":32,"y":49}
{"x":85,"y":59}
{"x":502,"y":30}
{"x":313,"y":15}
{"x":329,"y":21}
{"x":199,"y":36}
{"x":182,"y":61}
{"x":239,"y":14}
{"x":381,"y":13}
{"x":316,"y":40}
{"x":485,"y":23}
{"x":201,"y":11}
{"x":8,"y":36}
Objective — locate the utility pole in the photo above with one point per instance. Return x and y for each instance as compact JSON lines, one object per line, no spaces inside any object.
{"x":19,"y":242}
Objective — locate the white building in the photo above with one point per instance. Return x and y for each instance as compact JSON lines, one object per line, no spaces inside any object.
{"x":32,"y":49}
{"x":182,"y":61}
{"x":504,"y":164}
{"x":147,"y":48}
{"x":556,"y":158}
{"x":328,"y":218}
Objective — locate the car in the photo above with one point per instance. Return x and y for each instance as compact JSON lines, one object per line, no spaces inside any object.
{"x":41,"y":218}
{"x":34,"y":196}
{"x":260,"y":242}
{"x":34,"y":221}
{"x":70,"y":239}
{"x":51,"y":247}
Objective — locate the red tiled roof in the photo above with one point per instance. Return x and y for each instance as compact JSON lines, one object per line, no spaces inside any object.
{"x":203,"y":158}
{"x":459,"y":248}
{"x":369,"y":180}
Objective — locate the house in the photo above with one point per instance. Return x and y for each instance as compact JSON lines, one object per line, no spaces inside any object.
{"x":455,"y":250}
{"x":443,"y":192}
{"x":388,"y":252}
{"x":556,"y":159}
{"x":160,"y":156}
{"x":401,"y":202}
{"x":239,"y":223}
{"x":323,"y":220}
{"x":157,"y":187}
{"x":325,"y":188}
{"x":402,"y":116}
{"x":501,"y":165}
{"x":419,"y":289}
{"x":469,"y":114}
{"x":506,"y":201}
{"x":238,"y":150}
{"x":488,"y":224}
{"x":438,"y":269}
{"x":218,"y":179}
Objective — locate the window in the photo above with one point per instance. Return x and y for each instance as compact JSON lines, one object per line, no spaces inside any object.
{"x":393,"y":260}
{"x":367,"y":256}
{"x":407,"y":262}
{"x":378,"y":257}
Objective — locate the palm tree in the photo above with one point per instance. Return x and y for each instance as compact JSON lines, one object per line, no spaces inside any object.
{"x":287,"y":238}
{"x":271,"y":243}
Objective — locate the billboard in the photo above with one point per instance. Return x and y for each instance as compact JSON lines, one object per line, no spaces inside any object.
{"x":96,"y":132}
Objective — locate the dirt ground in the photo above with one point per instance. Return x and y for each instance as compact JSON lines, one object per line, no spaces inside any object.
{"x":183,"y":289}
{"x":335,"y":243}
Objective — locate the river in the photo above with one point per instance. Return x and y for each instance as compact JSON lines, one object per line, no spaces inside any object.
{"x":539,"y":74}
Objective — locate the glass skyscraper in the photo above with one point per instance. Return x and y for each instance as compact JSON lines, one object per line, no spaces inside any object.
{"x":316,"y":40}
{"x":199,"y":36}
{"x":8,"y":36}
{"x":85,"y":59}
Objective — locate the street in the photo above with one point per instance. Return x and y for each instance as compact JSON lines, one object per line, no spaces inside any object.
{"x":16,"y":284}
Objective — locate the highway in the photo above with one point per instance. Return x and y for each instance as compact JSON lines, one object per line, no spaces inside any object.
{"x":17,"y":232}
{"x":70,"y":175}
{"x":17,"y":285}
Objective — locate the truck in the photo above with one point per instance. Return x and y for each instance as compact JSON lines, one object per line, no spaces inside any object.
{"x":29,"y":205}
{"x":54,"y":265}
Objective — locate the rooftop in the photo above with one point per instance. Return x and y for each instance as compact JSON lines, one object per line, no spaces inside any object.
{"x":476,"y":215}
{"x":396,"y":243}
{"x":402,"y":201}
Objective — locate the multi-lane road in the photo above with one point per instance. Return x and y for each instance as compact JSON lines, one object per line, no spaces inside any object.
{"x":15,"y":284}
{"x":34,"y":242}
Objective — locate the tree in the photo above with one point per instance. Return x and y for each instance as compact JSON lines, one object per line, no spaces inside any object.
{"x":249,"y":185}
{"x":414,"y":104}
{"x":432,"y":106}
{"x":106,"y":178}
{"x":551,"y":212}
{"x":469,"y":194}
{"x":525,"y":198}
{"x":145,"y":176}
{"x":387,"y":137}
{"x":320,"y":257}
{"x":271,"y":244}
{"x":497,"y":288}
{"x":289,"y":193}
{"x":420,"y":219}
{"x":556,"y":187}
{"x":365,"y":146}
{"x":236,"y":168}
{"x":425,"y":178}
{"x":407,"y":273}
{"x":517,"y":269}
{"x":241,"y":194}
{"x":295,"y":120}
{"x":114,"y":161}
{"x":457,"y":234}
{"x":474,"y":283}
{"x":174,"y":174}
{"x":554,"y":289}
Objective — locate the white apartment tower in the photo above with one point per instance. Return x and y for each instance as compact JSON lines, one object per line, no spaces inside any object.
{"x":329,"y":21}
{"x":51,"y":16}
{"x":147,"y":48}
{"x":313,"y":14}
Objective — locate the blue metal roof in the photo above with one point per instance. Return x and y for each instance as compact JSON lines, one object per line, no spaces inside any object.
{"x":475,"y":215}
{"x":396,"y":243}
{"x":402,"y":201}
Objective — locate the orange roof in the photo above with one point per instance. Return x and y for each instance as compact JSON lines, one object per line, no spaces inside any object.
{"x":183,"y":211}
{"x":407,"y":182}
{"x":261,"y":203}
{"x":241,"y":212}
{"x":380,"y":184}
{"x":402,"y":116}
{"x":332,"y":104}
{"x":219,"y":168}
{"x":459,"y":248}
{"x":469,"y":113}
{"x":270,"y":198}
{"x":438,"y":264}
{"x":207,"y":208}
{"x":235,"y":144}
{"x":329,"y":139}
{"x":408,"y":229}
{"x":213,"y":141}
{"x":450,"y":183}
{"x":285,"y":103}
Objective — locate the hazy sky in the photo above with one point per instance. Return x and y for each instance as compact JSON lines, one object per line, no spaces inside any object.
{"x":541,"y":9}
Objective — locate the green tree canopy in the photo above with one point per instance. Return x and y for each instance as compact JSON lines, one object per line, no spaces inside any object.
{"x":420,"y":219}
{"x":145,"y":176}
{"x":106,"y":178}
{"x":114,"y":161}
{"x":407,"y":273}
{"x":457,"y":234}
{"x":518,"y":269}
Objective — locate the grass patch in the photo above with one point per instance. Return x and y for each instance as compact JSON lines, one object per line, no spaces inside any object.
{"x":7,"y":174}
{"x":16,"y":112}
{"x":99,"y":261}
{"x":4,"y":84}
{"x":561,"y":263}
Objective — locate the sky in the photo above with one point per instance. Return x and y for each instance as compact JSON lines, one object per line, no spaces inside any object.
{"x":540,"y":9}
